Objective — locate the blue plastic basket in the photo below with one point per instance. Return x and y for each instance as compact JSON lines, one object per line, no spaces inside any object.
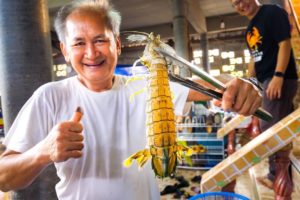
{"x":219,"y":196}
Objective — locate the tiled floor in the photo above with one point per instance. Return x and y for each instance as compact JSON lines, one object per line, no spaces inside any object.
{"x":187,"y":175}
{"x":242,"y":186}
{"x":246,"y":183}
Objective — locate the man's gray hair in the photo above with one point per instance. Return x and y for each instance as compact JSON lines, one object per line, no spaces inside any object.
{"x":111,"y":16}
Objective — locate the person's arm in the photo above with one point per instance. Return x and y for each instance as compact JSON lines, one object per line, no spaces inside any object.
{"x":19,"y":170}
{"x":197,"y":96}
{"x":240,"y":96}
{"x":251,"y":69}
{"x":274,"y":88}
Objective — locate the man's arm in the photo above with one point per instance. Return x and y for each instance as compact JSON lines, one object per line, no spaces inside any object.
{"x":19,"y":170}
{"x":283,"y":57}
{"x":251,"y":69}
{"x":274,"y":88}
{"x":197,"y":96}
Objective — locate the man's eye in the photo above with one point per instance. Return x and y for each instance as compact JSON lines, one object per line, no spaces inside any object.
{"x":100,"y":41}
{"x":78,"y":44}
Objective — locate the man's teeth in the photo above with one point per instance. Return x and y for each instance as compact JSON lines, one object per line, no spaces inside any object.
{"x":94,"y":65}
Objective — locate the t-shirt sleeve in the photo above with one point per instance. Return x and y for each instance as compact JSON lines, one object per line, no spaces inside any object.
{"x":180,"y":97}
{"x":279,"y":24}
{"x":30,"y":126}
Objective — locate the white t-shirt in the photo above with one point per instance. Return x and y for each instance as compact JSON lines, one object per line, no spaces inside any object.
{"x":114,"y":128}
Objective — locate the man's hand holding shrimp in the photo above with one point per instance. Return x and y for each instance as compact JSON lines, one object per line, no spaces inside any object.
{"x":241,"y":97}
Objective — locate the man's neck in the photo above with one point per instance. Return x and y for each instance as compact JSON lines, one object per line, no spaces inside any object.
{"x":257,"y":8}
{"x":96,"y":86}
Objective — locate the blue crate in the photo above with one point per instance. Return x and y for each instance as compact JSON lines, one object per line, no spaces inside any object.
{"x":218,"y":196}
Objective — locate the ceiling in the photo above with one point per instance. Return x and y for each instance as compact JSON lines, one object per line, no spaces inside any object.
{"x":138,"y":14}
{"x":143,"y":13}
{"x":204,"y":16}
{"x":157,"y":16}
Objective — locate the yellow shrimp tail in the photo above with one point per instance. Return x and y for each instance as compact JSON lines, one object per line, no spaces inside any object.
{"x":188,"y":160}
{"x":182,"y":150}
{"x":164,"y":166}
{"x":127,"y":162}
{"x":198,"y":149}
{"x":185,"y":152}
{"x":190,"y":150}
{"x":141,"y":158}
{"x":179,"y":156}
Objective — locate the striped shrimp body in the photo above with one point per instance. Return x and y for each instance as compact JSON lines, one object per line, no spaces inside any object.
{"x":160,"y":124}
{"x":161,"y":127}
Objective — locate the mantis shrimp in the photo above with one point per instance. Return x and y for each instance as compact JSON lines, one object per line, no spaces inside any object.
{"x":160,"y":125}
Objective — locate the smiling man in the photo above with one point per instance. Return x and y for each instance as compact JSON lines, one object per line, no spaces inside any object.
{"x":88,"y":155}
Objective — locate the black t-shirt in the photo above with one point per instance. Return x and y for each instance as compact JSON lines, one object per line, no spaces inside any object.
{"x":265,"y":31}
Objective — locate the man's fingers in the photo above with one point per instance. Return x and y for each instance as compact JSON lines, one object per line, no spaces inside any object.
{"x":248,"y":101}
{"x":75,"y":127}
{"x":74,"y":154}
{"x":230,"y":95}
{"x":256,"y":104}
{"x":279,"y":94}
{"x":70,"y":154}
{"x":241,"y":97}
{"x":75,"y":137}
{"x":245,"y":106}
{"x":77,"y":115}
{"x":67,"y":139}
{"x":228,"y":99}
{"x":66,"y":151}
{"x":74,"y":146}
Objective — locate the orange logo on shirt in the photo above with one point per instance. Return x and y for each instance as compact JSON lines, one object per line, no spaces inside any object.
{"x":253,"y":38}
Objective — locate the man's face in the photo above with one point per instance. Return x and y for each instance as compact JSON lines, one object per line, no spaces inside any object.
{"x":91,"y":48}
{"x":246,"y":8}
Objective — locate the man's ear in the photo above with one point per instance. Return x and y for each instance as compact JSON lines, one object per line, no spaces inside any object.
{"x":64,"y":52}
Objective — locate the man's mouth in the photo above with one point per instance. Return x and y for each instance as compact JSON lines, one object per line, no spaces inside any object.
{"x":245,"y":8}
{"x":96,"y":64}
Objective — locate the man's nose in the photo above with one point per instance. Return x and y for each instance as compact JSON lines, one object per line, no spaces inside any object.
{"x":90,"y":51}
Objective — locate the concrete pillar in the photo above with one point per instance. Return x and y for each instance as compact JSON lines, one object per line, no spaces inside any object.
{"x":204,"y":48}
{"x":181,"y":34}
{"x":25,"y":64}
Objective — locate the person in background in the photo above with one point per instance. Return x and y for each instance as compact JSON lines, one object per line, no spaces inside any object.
{"x":88,"y":155}
{"x":268,"y":38}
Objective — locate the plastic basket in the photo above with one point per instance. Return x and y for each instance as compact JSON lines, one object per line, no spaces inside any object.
{"x":219,"y":196}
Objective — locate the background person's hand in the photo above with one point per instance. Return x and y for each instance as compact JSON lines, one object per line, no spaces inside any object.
{"x":274,"y":88}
